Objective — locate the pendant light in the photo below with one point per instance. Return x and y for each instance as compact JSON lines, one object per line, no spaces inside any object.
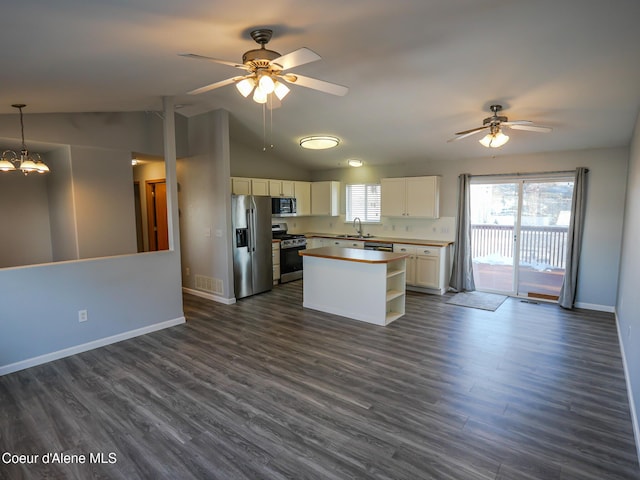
{"x":25,"y":162}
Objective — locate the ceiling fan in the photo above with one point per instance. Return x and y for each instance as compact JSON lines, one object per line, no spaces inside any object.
{"x":265,"y":69}
{"x":493,"y":126}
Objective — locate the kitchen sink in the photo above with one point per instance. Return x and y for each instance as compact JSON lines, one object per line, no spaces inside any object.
{"x":354,"y":236}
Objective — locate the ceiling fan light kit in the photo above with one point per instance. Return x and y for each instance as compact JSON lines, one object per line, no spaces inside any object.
{"x":319,"y":142}
{"x":494,"y":139}
{"x":493,"y":125}
{"x":25,"y":162}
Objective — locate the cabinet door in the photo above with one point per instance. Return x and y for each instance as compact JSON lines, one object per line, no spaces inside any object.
{"x":287,"y":188}
{"x":302,"y":192}
{"x":411,"y":261}
{"x":422,"y":196}
{"x":324,"y":198}
{"x":393,"y":197}
{"x":275,"y":188}
{"x":241,"y":186}
{"x":427,"y":271}
{"x":260,"y":186}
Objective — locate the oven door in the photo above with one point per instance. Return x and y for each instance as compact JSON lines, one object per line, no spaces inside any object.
{"x":290,"y":264}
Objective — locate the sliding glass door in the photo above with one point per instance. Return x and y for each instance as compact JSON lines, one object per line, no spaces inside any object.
{"x":518,"y":234}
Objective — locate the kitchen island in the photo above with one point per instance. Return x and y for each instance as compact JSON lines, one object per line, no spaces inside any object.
{"x":365,"y":285}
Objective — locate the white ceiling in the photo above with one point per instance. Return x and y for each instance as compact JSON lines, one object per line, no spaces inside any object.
{"x":418,"y":70}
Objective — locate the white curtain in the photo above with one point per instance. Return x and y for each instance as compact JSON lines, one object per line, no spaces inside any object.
{"x":567,"y":296}
{"x":462,"y":274}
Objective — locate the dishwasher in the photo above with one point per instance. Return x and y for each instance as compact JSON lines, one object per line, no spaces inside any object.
{"x":382,"y":246}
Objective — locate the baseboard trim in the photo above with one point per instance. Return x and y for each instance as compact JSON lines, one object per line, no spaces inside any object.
{"x":209,"y":296}
{"x":632,"y":404}
{"x":595,"y":306}
{"x":67,"y":352}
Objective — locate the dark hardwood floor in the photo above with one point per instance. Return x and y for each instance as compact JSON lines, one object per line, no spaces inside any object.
{"x":266,"y":390}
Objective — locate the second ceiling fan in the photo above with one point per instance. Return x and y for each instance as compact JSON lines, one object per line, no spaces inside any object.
{"x":264,"y":70}
{"x":493,"y":127}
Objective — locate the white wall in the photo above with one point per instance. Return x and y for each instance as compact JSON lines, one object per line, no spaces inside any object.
{"x":598,"y":276}
{"x":628,"y":300}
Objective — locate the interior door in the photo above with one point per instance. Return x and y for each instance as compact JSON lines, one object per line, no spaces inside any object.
{"x":158,"y":227}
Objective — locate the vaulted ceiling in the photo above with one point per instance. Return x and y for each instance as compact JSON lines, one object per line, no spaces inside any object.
{"x":417,"y":70}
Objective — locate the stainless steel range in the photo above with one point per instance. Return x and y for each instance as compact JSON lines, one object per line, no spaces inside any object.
{"x":290,"y":245}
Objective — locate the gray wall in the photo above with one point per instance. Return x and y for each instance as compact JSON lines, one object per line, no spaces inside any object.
{"x":205,"y":211}
{"x":252,"y":162}
{"x":103,"y":199}
{"x":64,"y":240}
{"x":598,"y":276}
{"x":628,"y":301}
{"x":123,"y":294}
{"x":24,"y":220}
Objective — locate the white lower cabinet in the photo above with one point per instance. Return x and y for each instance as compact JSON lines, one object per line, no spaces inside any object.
{"x":344,"y":243}
{"x":426,"y":266}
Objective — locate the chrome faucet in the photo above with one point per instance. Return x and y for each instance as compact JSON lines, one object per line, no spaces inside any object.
{"x":359,"y":227}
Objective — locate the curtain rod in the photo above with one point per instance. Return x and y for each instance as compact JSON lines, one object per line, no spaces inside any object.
{"x":530,"y":174}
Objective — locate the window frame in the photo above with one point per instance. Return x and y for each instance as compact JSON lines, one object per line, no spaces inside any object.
{"x":366,"y":217}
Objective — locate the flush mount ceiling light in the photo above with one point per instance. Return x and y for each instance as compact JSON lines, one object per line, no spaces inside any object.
{"x":319,"y":142}
{"x":354,"y":162}
{"x":25,"y":162}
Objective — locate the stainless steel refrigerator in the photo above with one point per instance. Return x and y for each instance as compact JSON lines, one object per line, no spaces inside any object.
{"x":252,"y":254}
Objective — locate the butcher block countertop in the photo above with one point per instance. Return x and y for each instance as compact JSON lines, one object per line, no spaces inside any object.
{"x":352,"y":254}
{"x":404,"y":241}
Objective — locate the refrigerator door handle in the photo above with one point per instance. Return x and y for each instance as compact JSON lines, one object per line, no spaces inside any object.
{"x":250,"y":241}
{"x":254,"y":226}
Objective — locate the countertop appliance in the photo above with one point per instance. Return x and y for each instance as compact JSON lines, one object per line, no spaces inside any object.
{"x":283,"y":206}
{"x":252,"y":256}
{"x":382,"y":246}
{"x":290,"y":244}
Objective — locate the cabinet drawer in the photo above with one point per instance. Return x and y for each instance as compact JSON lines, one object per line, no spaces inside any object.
{"x":428,"y":251}
{"x":400,"y":248}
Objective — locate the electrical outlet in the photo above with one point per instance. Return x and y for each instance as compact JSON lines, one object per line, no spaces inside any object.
{"x":628,"y":331}
{"x":83,"y":316}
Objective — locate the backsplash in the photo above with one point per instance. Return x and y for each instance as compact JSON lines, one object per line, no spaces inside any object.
{"x":442,"y":229}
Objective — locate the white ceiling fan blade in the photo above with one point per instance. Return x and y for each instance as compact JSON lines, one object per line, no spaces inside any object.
{"x":517,"y":122}
{"x":215,"y":60}
{"x":213,"y":86}
{"x":297,"y":57}
{"x":314,"y":83}
{"x":531,"y":128}
{"x":468,"y":133}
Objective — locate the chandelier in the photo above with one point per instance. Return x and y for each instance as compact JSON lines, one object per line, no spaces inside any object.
{"x":25,"y":162}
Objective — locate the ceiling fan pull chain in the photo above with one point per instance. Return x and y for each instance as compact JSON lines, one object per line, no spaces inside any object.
{"x":264,"y":128}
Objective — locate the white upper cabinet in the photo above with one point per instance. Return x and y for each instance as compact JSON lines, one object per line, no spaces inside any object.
{"x":260,"y":186}
{"x":281,"y":188}
{"x":417,"y":197}
{"x":302,"y":193}
{"x":325,"y":198}
{"x":240,"y":186}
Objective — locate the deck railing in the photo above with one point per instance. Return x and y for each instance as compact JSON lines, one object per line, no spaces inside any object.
{"x":538,"y":245}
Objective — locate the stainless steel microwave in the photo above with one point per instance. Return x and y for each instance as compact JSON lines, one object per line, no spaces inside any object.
{"x":283,"y":206}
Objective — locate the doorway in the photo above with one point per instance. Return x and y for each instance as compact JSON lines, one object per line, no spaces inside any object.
{"x":158,"y":228}
{"x":519,"y":233}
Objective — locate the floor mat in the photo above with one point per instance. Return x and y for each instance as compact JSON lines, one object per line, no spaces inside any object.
{"x":482,"y":300}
